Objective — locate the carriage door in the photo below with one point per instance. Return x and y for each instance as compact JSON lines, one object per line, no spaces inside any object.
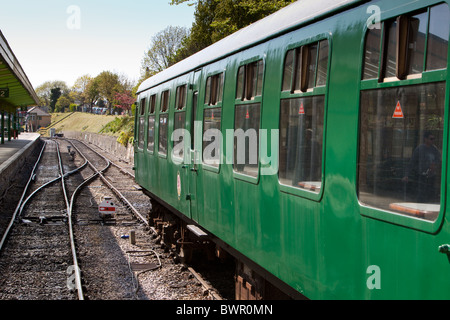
{"x":195,"y":146}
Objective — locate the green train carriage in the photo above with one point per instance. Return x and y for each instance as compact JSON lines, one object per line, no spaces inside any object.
{"x":335,"y":200}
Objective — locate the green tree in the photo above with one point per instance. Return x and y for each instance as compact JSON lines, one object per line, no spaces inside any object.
{"x":162,"y":50}
{"x":55,"y":94}
{"x":80,"y":89}
{"x":214,"y":20}
{"x":92,"y":92}
{"x":108,"y":84}
{"x":44,"y":92}
{"x":201,"y":32}
{"x":63,"y":102}
{"x":124,"y":100}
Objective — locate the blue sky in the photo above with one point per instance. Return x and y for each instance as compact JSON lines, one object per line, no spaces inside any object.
{"x":63,"y":40}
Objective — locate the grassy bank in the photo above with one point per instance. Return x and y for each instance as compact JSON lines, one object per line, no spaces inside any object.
{"x":119,"y":126}
{"x":80,"y":121}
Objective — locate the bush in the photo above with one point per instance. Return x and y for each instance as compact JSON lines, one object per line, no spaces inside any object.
{"x":124,"y":125}
{"x":124,"y":138}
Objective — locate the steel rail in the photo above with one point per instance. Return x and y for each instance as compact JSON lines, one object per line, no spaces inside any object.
{"x":45,"y":185}
{"x":124,"y":199}
{"x":134,"y":211}
{"x":78,"y":284}
{"x":61,"y":171}
{"x":22,"y":202}
{"x":207,"y":287}
{"x":70,"y":213}
{"x":8,"y":229}
{"x":120,"y":168}
{"x":96,"y":173}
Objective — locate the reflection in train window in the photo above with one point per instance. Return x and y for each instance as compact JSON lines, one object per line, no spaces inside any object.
{"x":402,"y":125}
{"x":246,"y":139}
{"x":372,"y":54}
{"x":302,"y":116}
{"x":301,"y":136}
{"x":211,"y":136}
{"x":141,"y":133}
{"x":181,"y":97}
{"x":163,"y":132}
{"x":250,"y":80}
{"x":214,"y":89}
{"x":438,"y":37}
{"x":165,"y":101}
{"x":306,"y":67}
{"x":152,"y":104}
{"x":400,"y":152}
{"x":151,"y":124}
{"x":178,"y":135}
{"x":141,"y":123}
{"x":142,"y":107}
{"x":151,"y":133}
{"x":413,"y":43}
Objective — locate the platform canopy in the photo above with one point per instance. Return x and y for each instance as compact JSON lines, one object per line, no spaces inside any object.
{"x":15,"y":88}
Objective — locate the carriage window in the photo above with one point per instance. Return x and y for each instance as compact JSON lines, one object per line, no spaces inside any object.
{"x":250,"y":80}
{"x":413,"y":43}
{"x":288,"y":70}
{"x":141,"y":135}
{"x":151,"y":124}
{"x":306,"y":67}
{"x":212,"y":118}
{"x":322,"y":64}
{"x":240,"y":83}
{"x":181,"y":97}
{"x":214,"y":90}
{"x":178,"y":137}
{"x":164,"y":123}
{"x":152,"y":104}
{"x":302,"y":115}
{"x":211,"y":134}
{"x":151,"y":133}
{"x":402,"y":127}
{"x":163,"y":132}
{"x":438,"y":37}
{"x":142,"y":107}
{"x":311,"y":65}
{"x":247,"y":118}
{"x":416,"y":42}
{"x":372,"y":54}
{"x":165,"y":101}
{"x":400,"y":152}
{"x":390,"y":59}
{"x":301,"y":136}
{"x":246,"y":139}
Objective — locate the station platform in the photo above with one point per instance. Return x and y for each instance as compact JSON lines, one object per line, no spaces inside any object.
{"x":13,"y":154}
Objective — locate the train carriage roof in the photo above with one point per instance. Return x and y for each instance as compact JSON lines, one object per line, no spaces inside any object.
{"x":288,"y":18}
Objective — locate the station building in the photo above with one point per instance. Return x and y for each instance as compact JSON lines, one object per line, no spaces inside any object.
{"x":16,"y":92}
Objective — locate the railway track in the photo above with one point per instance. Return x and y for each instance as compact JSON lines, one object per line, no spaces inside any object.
{"x":38,"y":252}
{"x":58,"y":247}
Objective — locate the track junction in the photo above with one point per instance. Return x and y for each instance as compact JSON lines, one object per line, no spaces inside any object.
{"x":56,"y":245}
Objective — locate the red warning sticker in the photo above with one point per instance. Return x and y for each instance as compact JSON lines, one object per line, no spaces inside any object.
{"x":113,"y":209}
{"x":302,"y":109}
{"x":398,"y":113}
